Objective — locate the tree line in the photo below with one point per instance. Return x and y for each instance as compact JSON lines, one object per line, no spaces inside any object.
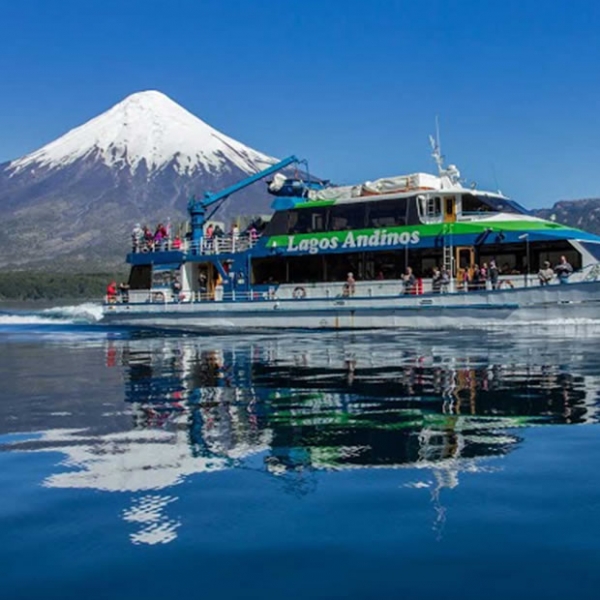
{"x":39,"y":285}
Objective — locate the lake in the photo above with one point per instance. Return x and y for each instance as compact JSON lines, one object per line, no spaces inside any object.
{"x":397,"y":464}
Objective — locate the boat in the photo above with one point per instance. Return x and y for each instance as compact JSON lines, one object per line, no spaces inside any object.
{"x":417,"y":250}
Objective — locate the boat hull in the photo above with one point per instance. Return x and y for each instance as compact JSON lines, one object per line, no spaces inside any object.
{"x":575,"y":301}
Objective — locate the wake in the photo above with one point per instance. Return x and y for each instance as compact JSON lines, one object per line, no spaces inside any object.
{"x":81,"y":314}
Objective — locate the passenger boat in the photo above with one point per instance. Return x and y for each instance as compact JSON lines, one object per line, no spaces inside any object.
{"x":338,"y":257}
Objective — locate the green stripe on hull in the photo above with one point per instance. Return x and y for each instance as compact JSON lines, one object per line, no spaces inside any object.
{"x":424,"y":231}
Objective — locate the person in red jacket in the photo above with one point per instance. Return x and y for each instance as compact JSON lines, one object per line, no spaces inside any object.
{"x":111,"y":291}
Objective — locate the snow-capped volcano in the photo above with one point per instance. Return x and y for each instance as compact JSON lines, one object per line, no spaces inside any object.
{"x":76,"y":199}
{"x":147,"y":126}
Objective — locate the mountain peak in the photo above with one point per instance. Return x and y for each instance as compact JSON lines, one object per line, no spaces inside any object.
{"x":146,"y":128}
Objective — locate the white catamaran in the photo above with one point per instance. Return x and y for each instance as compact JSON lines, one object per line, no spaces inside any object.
{"x":413,"y":251}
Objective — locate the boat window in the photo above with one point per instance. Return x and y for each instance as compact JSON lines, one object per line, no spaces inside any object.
{"x":347,"y":216}
{"x":476,"y":203}
{"x":271,"y":270}
{"x":278,"y":225}
{"x":473,"y":204}
{"x":389,"y":213}
{"x":140,"y":277}
{"x":307,"y":220}
{"x":592,"y":248}
{"x":163,"y":277}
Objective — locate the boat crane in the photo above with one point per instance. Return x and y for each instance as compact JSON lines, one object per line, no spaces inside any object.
{"x":198,"y":207}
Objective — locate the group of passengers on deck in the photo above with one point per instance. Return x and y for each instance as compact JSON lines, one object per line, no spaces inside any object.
{"x":143,"y":239}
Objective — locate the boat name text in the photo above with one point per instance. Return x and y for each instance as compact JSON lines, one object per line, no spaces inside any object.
{"x":380,"y":237}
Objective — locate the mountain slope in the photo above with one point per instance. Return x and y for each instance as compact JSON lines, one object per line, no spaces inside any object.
{"x":74,"y":200}
{"x":583,"y":214}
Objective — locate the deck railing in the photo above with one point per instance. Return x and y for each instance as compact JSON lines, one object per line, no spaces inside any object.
{"x":328,"y":291}
{"x":225,"y":244}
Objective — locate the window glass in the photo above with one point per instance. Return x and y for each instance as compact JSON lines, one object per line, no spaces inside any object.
{"x":140,"y":277}
{"x":473,"y":204}
{"x":347,"y":216}
{"x":278,"y":225}
{"x":308,"y":220}
{"x":389,"y":213}
{"x":592,"y":248}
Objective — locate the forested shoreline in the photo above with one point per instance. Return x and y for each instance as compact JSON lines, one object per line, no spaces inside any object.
{"x":41,"y":285}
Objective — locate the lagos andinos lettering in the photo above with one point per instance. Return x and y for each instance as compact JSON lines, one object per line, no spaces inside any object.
{"x":350,"y":239}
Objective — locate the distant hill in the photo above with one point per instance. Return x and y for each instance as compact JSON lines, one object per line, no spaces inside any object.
{"x":583,"y":214}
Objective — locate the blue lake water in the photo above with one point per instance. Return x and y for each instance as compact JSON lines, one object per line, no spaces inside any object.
{"x":139,"y":464}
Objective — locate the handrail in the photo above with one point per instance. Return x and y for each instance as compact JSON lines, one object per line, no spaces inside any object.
{"x":226,"y":244}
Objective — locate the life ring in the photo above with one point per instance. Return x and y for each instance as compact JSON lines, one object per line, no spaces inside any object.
{"x":506,"y":283}
{"x":299,"y":293}
{"x":158,"y":297}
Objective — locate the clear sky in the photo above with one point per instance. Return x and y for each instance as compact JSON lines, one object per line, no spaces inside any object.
{"x":352,"y":85}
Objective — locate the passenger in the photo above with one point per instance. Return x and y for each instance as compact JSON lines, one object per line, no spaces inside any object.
{"x":177,"y":243}
{"x":209,"y":231}
{"x":176,"y":289}
{"x":477,"y":279}
{"x":466,"y":280}
{"x":546,"y":274}
{"x":350,"y":285}
{"x":484,"y":274}
{"x":137,"y":237}
{"x":436,"y":281}
{"x":253,"y":234}
{"x":563,"y":270}
{"x":160,"y":237}
{"x":380,"y":276}
{"x":409,"y":281}
{"x":445,"y":281}
{"x":111,"y":292}
{"x":124,"y":292}
{"x":493,"y":274}
{"x":148,"y":239}
{"x":218,"y":233}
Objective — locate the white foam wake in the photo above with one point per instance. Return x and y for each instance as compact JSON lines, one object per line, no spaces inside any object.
{"x":81,"y":313}
{"x":58,"y":315}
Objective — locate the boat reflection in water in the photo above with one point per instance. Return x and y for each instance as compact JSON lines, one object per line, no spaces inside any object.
{"x":293,"y":407}
{"x":306,"y":404}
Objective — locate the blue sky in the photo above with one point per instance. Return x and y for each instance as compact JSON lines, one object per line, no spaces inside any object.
{"x":354,"y":86}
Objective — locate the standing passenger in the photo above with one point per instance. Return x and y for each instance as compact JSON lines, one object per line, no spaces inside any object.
{"x":493,"y":274}
{"x":409,"y":281}
{"x":563,"y":270}
{"x":436,"y":280}
{"x":350,"y":286}
{"x":546,"y":274}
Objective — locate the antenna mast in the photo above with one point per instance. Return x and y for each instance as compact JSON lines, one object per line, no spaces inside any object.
{"x":436,"y":148}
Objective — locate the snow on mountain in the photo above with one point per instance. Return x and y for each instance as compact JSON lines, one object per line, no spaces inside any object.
{"x":146,"y":127}
{"x":74,"y":201}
